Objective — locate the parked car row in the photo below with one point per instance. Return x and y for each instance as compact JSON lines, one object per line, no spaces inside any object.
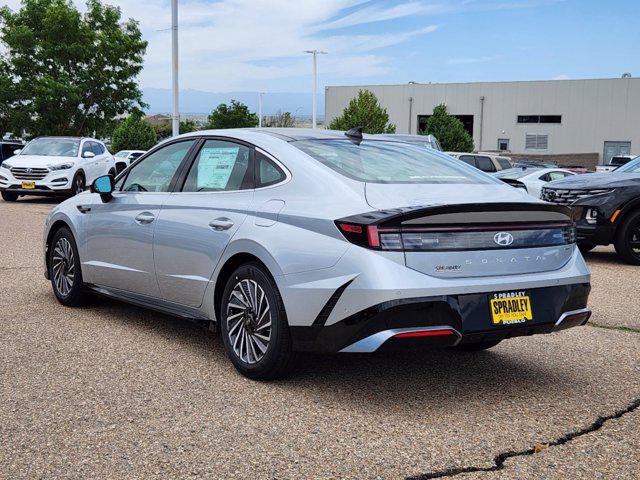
{"x":57,"y":166}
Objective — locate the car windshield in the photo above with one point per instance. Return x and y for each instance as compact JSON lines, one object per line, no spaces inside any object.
{"x":390,"y":162}
{"x":632,"y":167}
{"x":52,"y":147}
{"x":514,"y":173}
{"x":617,"y":161}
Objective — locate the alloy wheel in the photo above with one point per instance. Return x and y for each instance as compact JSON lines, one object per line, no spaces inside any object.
{"x":63,"y":266}
{"x":249,"y":321}
{"x":634,"y":239}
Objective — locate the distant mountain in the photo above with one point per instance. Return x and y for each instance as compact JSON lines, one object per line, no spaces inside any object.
{"x":195,"y":101}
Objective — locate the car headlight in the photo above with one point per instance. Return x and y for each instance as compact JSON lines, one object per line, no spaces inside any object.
{"x":6,"y":165}
{"x":63,"y":166}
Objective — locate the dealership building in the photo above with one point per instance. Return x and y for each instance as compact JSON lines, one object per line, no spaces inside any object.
{"x":570,"y":121}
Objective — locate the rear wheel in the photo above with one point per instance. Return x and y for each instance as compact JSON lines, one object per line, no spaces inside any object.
{"x":64,"y":269}
{"x":477,"y":346}
{"x":628,"y":239}
{"x":254,"y":324}
{"x":9,"y":196}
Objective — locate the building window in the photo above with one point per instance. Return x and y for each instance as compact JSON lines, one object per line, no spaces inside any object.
{"x":536,"y":142}
{"x":503,"y":144}
{"x":539,"y":118}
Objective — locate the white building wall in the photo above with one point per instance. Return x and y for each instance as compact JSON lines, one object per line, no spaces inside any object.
{"x":593,"y":111}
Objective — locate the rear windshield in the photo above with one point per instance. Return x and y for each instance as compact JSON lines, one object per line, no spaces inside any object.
{"x":619,"y":161}
{"x":380,"y":161}
{"x":514,"y":173}
{"x":504,"y":163}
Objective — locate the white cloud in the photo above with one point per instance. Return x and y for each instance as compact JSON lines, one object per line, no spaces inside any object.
{"x":561,"y":77}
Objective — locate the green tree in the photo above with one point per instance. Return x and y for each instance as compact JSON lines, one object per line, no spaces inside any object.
{"x":448,"y":130}
{"x":165,"y":130}
{"x":68,"y":73}
{"x":235,"y":115}
{"x":134,"y":133}
{"x":364,"y":111}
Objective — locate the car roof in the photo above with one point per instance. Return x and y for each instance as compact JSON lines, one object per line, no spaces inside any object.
{"x":286,"y":134}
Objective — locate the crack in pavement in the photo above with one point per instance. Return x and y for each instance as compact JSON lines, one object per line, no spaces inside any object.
{"x":25,"y":267}
{"x":500,"y":459}
{"x":614,"y":327}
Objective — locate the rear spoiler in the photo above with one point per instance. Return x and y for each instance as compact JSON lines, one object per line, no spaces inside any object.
{"x":466,"y":215}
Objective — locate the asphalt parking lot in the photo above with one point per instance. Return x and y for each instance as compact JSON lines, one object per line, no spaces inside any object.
{"x":113,"y":391}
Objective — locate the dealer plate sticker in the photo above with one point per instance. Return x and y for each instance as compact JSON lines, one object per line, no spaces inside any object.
{"x":510,"y":308}
{"x":28,"y":185}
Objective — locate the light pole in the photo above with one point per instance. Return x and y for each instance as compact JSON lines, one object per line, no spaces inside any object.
{"x":260,"y":109}
{"x":175,"y":117}
{"x":315,"y":82}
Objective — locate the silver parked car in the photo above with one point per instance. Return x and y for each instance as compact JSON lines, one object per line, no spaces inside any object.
{"x":295,"y":240}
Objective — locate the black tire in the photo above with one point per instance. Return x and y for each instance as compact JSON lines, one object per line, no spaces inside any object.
{"x":477,"y":347}
{"x":68,"y":295}
{"x":627,"y":240}
{"x":586,"y":247}
{"x":10,"y":196}
{"x":278,"y":357}
{"x":78,"y":185}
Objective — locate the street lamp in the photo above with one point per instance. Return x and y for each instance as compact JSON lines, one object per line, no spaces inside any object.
{"x":260,"y":94}
{"x":315,"y":54}
{"x":175,"y":117}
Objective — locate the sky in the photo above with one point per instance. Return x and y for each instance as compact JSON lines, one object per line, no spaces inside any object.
{"x":258,"y":45}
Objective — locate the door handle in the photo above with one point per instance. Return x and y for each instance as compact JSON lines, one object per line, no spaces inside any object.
{"x":83,"y":208}
{"x":222,"y":223}
{"x":145,"y":218}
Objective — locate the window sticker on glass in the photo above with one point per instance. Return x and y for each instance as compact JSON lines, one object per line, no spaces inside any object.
{"x":215,"y":167}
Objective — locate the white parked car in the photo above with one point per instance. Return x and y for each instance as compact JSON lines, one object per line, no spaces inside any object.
{"x":124,"y":158}
{"x":615,"y":163}
{"x":54,"y":166}
{"x":532,"y":179}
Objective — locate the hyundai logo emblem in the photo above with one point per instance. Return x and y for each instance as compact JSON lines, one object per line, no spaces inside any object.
{"x":29,"y":170}
{"x":504,"y":239}
{"x":551,"y":195}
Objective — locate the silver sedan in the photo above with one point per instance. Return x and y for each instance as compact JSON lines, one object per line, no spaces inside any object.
{"x":293,"y":240}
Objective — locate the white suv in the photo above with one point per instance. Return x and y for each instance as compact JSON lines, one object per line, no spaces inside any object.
{"x":54,"y":166}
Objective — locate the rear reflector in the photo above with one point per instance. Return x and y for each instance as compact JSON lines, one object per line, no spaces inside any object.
{"x":424,"y":333}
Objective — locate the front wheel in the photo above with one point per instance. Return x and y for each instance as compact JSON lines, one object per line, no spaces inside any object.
{"x":78,"y":184}
{"x":64,"y":269}
{"x":627,"y":241}
{"x":254,"y":324}
{"x":9,"y":196}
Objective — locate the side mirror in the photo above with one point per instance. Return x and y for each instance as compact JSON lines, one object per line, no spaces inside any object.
{"x":17,"y":151}
{"x":88,"y":155}
{"x":104,"y":186}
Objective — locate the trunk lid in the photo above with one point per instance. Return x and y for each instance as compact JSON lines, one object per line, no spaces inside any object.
{"x":454,"y":231}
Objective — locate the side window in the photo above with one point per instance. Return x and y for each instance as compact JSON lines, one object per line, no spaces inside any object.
{"x":154,"y":173}
{"x":503,"y":162}
{"x":220,"y":166}
{"x":470,"y":159}
{"x":97,"y":148}
{"x":267,"y":172}
{"x":556,"y":175}
{"x":485,"y":164}
{"x":86,"y":147}
{"x":546,"y":177}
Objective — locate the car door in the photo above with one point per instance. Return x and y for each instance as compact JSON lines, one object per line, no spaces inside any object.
{"x":118,"y":242}
{"x":199,"y":219}
{"x":102,"y":159}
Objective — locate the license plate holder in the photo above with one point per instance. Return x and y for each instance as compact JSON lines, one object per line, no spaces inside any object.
{"x":510,"y":308}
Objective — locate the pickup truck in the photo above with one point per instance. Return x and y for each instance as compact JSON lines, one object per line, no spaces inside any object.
{"x":615,"y":162}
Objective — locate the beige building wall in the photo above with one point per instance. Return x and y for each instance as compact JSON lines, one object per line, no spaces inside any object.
{"x":593,"y":111}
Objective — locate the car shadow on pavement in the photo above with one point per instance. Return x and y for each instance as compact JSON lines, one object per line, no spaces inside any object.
{"x":413,"y":376}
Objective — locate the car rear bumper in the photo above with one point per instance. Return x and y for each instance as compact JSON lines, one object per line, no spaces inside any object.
{"x":597,"y":234}
{"x":443,"y":321}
